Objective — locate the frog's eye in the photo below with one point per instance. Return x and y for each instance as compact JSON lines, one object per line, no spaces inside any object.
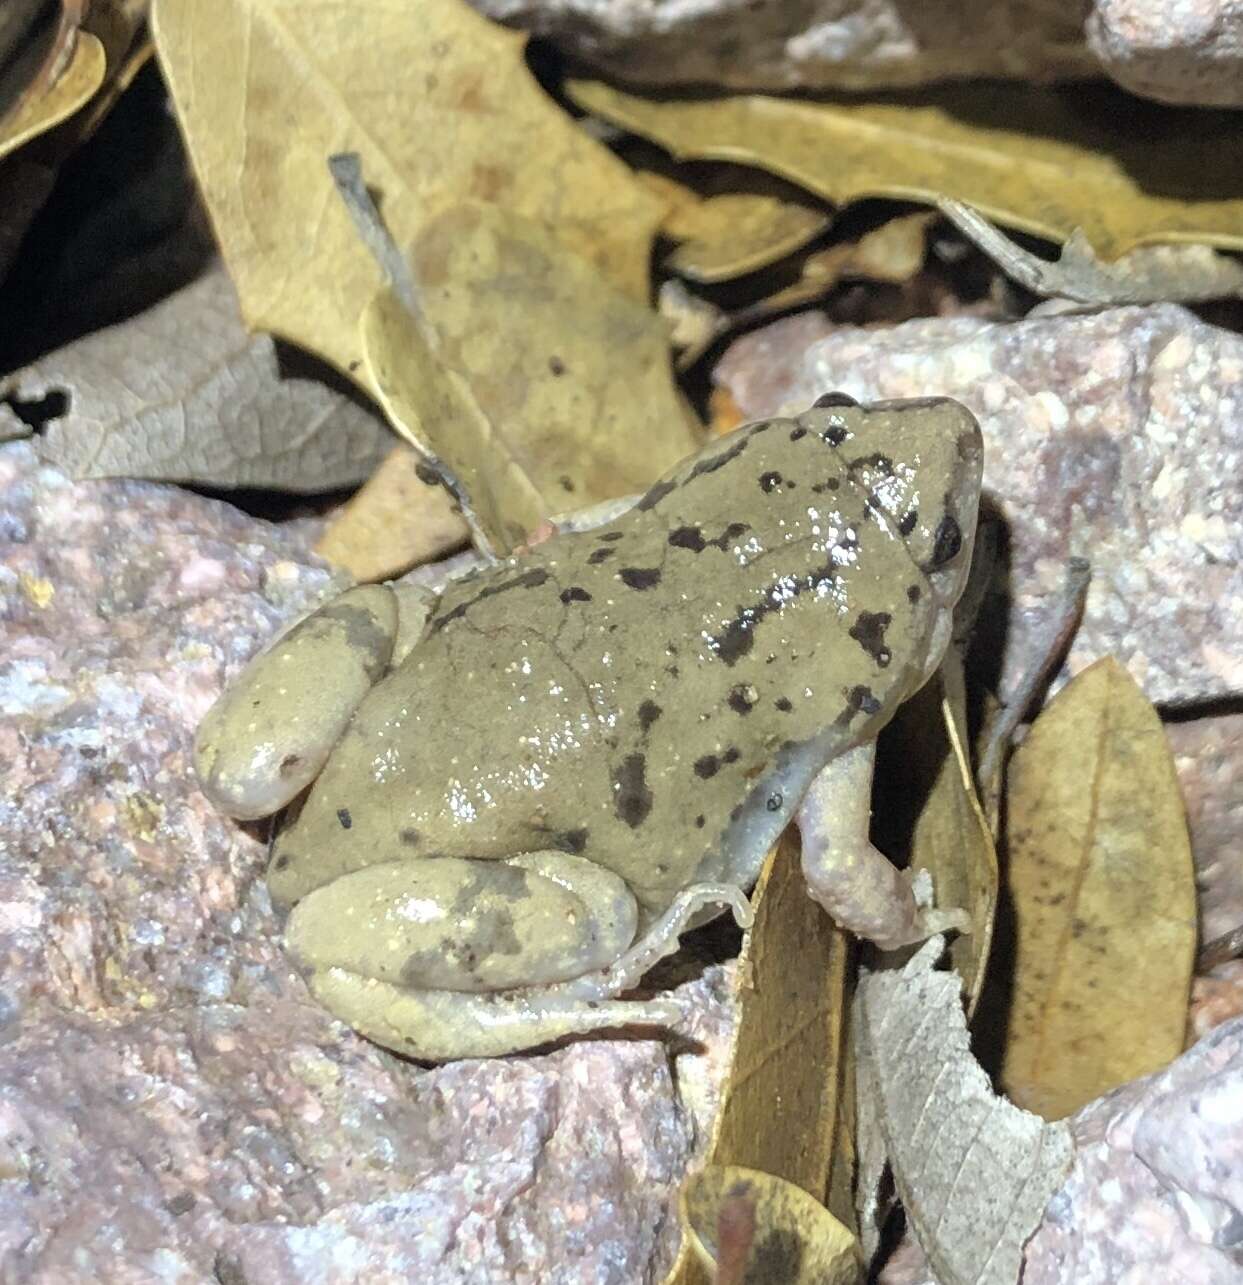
{"x":947,"y":543}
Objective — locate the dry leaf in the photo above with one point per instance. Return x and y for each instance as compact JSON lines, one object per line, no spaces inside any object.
{"x":401,"y":517}
{"x":974,"y":1172}
{"x":183,"y":393}
{"x":1104,"y":896}
{"x":781,"y":1102}
{"x":440,"y":106}
{"x":750,"y":1226}
{"x":1040,"y":159}
{"x":537,"y":385}
{"x":1150,"y":274}
{"x":72,"y":89}
{"x":949,"y":836}
{"x":731,"y":233}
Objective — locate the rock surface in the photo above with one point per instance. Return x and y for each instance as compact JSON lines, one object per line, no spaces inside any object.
{"x":1191,"y":52}
{"x":1112,"y":435}
{"x":1183,"y":53}
{"x":172,"y":1104}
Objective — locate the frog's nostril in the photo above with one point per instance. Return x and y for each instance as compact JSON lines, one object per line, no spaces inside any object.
{"x":947,"y":544}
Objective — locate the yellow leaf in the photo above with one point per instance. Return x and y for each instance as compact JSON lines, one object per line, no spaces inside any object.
{"x":1104,"y":897}
{"x":1044,"y":160}
{"x":747,"y":1225}
{"x":949,"y":836}
{"x":440,"y":106}
{"x":73,"y":88}
{"x":400,"y":518}
{"x":540,"y":387}
{"x":782,"y":1100}
{"x":731,"y":233}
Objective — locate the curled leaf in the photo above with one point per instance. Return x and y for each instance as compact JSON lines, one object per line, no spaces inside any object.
{"x":751,"y":1226}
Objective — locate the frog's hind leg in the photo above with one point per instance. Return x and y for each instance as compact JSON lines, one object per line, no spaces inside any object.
{"x":458,"y":957}
{"x":853,"y":880}
{"x":267,"y":737}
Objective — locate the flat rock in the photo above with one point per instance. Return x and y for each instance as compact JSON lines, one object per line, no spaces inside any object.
{"x":173,"y":1105}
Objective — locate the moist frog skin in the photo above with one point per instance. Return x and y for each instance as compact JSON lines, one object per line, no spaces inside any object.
{"x":510,"y":800}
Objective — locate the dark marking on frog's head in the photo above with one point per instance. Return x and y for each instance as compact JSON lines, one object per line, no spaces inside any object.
{"x":829,"y":484}
{"x":721,"y":458}
{"x":784,"y":704}
{"x":282,"y":861}
{"x":410,"y":836}
{"x":575,"y":594}
{"x":343,"y":815}
{"x":531,"y":579}
{"x":913,"y":593}
{"x":639,"y":577}
{"x":830,"y":401}
{"x":775,"y":801}
{"x":769,"y":482}
{"x":700,"y":821}
{"x":566,"y":483}
{"x":572,"y":841}
{"x":597,"y":556}
{"x":907,"y":523}
{"x":654,"y":495}
{"x":610,"y":537}
{"x":632,"y":800}
{"x":742,"y":698}
{"x":556,"y":366}
{"x":869,"y":632}
{"x":859,"y":699}
{"x":797,"y":434}
{"x":649,"y":712}
{"x":426,"y":474}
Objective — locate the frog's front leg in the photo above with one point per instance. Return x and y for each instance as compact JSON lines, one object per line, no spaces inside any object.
{"x":853,"y":880}
{"x":457,"y":957}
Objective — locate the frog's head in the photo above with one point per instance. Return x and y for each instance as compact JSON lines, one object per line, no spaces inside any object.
{"x":921,"y":463}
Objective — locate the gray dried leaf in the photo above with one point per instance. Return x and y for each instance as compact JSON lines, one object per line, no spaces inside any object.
{"x":181,"y":393}
{"x":1149,"y":274}
{"x":974,"y":1171}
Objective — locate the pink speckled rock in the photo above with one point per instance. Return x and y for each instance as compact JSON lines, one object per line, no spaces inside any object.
{"x":1180,"y":51}
{"x":1115,"y":435}
{"x":1156,"y":1192}
{"x":172,"y":1105}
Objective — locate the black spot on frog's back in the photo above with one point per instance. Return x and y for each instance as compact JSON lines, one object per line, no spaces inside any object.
{"x":649,"y":712}
{"x":632,"y":799}
{"x":868,"y":631}
{"x":640,"y":577}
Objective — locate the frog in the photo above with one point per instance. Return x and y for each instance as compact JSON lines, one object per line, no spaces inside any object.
{"x":502,"y":803}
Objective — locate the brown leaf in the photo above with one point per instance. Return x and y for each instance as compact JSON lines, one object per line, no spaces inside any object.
{"x":731,"y":233}
{"x":1103,"y":890}
{"x":751,"y":1226}
{"x":787,"y":1045}
{"x":537,"y":385}
{"x":401,"y":517}
{"x":974,"y":1172}
{"x":950,"y":837}
{"x":183,"y":393}
{"x":1042,"y":160}
{"x":440,"y":106}
{"x":72,"y":89}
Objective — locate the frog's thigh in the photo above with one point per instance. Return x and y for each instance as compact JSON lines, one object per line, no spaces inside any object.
{"x":267,"y":737}
{"x":456,"y":957}
{"x":845,"y":873}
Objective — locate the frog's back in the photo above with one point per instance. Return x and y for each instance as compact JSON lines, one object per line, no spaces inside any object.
{"x":653,"y":694}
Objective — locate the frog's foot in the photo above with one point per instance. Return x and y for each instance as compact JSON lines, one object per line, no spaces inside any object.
{"x":268,"y":736}
{"x":455,"y":957}
{"x":847,"y":875}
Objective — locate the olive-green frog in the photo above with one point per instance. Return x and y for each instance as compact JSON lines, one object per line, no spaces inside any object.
{"x":521,"y":793}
